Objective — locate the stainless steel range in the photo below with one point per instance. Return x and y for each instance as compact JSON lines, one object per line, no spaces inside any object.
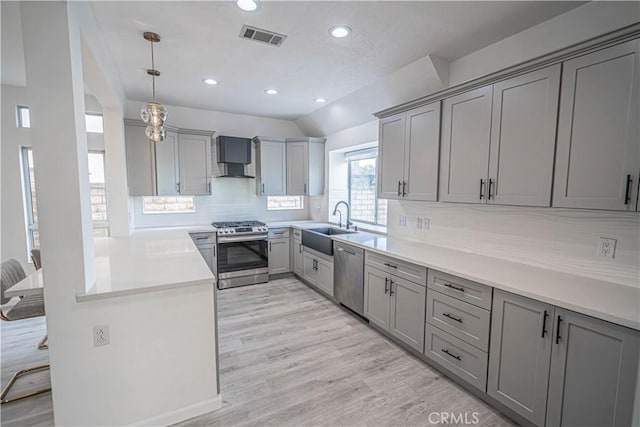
{"x":243,"y":255}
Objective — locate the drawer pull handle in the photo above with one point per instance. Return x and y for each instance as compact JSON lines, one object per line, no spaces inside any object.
{"x":448,"y":353}
{"x":457,"y":288}
{"x":544,"y":323}
{"x":391,"y":265}
{"x":202,"y":238}
{"x":452,"y":317}
{"x":386,"y":285}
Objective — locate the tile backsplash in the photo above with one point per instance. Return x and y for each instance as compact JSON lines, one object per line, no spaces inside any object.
{"x":559,"y":239}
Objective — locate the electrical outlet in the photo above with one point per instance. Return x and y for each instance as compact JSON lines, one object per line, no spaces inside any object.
{"x":426,"y":223}
{"x":402,"y":220}
{"x":419,"y":223}
{"x":607,"y":247}
{"x":100,"y":335}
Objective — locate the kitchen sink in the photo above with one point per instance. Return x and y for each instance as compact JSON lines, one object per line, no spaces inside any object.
{"x":319,"y":239}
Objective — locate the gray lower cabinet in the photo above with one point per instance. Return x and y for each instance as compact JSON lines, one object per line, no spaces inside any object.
{"x":395,"y":305}
{"x":559,"y":368}
{"x":318,"y":270}
{"x":297,"y":256}
{"x":206,"y":244}
{"x":279,"y":256}
{"x":520,"y":353}
{"x":593,"y":375}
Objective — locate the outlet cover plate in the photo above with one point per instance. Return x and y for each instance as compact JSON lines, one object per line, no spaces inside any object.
{"x":100,"y":335}
{"x":607,"y":247}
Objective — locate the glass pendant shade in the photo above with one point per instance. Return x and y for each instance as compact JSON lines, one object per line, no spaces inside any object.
{"x":153,"y":113}
{"x":155,"y":133}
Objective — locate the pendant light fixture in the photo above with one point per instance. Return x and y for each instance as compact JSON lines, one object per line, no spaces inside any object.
{"x":153,"y":113}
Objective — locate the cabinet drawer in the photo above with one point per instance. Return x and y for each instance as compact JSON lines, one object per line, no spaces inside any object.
{"x":460,"y":319}
{"x":462,"y":359}
{"x":462,"y":289}
{"x":403,"y":269}
{"x":278,"y":233}
{"x":203,"y":238}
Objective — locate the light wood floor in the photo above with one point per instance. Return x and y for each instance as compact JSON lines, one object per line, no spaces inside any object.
{"x":288,"y":357}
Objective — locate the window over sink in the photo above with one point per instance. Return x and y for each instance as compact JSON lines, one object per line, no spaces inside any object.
{"x":281,"y":203}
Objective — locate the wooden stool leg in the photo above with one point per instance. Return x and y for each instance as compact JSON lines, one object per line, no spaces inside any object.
{"x":13,"y":379}
{"x":42,"y":345}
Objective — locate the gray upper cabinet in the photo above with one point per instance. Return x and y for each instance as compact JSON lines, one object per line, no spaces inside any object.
{"x":194,"y":152}
{"x":391,"y":157}
{"x":597,"y":158}
{"x":523,"y":136}
{"x":181,"y":164}
{"x":271,"y":167}
{"x":409,"y":154}
{"x":140,"y":161}
{"x":464,"y":156}
{"x":305,"y":166}
{"x":407,"y":312}
{"x":594,"y":368}
{"x":167,"y":165}
{"x":519,"y":355}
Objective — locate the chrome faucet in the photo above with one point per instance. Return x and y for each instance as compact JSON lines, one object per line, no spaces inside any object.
{"x":336,"y":211}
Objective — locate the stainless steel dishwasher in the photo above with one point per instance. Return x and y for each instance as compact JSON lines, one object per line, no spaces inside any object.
{"x":349,"y":276}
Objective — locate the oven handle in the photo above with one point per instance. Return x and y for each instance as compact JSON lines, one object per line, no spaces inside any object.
{"x":231,"y":239}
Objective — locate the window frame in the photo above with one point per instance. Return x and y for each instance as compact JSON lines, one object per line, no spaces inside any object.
{"x":300,"y":197}
{"x":175,"y":212}
{"x":31,"y":224}
{"x":19,"y":121}
{"x":375,"y":222}
{"x":100,"y":225}
{"x":93,"y":114}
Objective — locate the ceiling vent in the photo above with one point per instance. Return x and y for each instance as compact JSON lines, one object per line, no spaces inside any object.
{"x":264,"y":36}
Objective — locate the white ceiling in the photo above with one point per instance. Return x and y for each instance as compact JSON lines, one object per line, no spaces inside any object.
{"x":200,"y":39}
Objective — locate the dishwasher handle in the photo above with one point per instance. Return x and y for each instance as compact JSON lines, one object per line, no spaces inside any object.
{"x":346,"y":251}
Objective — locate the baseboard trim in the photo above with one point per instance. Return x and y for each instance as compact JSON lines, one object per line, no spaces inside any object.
{"x":183,"y":414}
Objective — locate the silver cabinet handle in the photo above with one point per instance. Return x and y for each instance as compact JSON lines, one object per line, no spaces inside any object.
{"x":209,"y":187}
{"x":448,"y":353}
{"x":391,"y":265}
{"x":386,"y":285}
{"x":305,"y":189}
{"x":404,"y":188}
{"x":391,"y":283}
{"x":178,"y":187}
{"x":491,"y":182}
{"x":262,"y":188}
{"x":452,"y":317}
{"x":270,"y":247}
{"x":456,"y":288}
{"x":399,"y":186}
{"x":481,"y":188}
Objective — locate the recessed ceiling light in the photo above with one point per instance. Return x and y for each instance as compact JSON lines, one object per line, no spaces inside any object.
{"x":340,"y":31}
{"x":320,"y":100}
{"x":248,"y":5}
{"x":271,"y":92}
{"x":210,"y":81}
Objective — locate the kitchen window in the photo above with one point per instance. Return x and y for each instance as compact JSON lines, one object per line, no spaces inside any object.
{"x":282,"y":203}
{"x":93,"y":121}
{"x":97,"y":190}
{"x":168,"y":204}
{"x":363,"y":195}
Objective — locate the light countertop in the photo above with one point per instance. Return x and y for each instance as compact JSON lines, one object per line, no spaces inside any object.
{"x":604,"y":300}
{"x":146,"y":261}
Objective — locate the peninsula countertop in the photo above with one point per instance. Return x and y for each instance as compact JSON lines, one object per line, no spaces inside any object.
{"x":148,"y":260}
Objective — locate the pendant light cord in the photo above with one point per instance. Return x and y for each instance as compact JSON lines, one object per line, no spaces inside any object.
{"x":153,"y":75}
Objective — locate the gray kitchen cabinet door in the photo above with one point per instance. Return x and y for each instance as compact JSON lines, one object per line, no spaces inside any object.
{"x":140,"y":162}
{"x":279,"y":256}
{"x":376,"y":297}
{"x":309,"y":268}
{"x":391,"y":156}
{"x":594,"y":369}
{"x":407,"y":316}
{"x":194,"y":152}
{"x":520,"y":354}
{"x":271,"y":168}
{"x":298,"y":258}
{"x":466,"y":131}
{"x":167,"y":174}
{"x":597,"y":157}
{"x":297,"y":167}
{"x":523,"y":138}
{"x":324,"y":279}
{"x":208,"y":252}
{"x":422,"y":151}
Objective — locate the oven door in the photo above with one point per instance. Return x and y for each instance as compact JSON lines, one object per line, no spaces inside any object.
{"x":242,"y":255}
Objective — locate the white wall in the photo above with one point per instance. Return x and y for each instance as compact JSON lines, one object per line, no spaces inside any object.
{"x":577,"y":25}
{"x":13,"y":220}
{"x":233,"y":198}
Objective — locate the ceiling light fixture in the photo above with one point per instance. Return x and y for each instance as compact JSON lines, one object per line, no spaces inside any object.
{"x":340,"y":31}
{"x":248,"y":5}
{"x":210,"y":81}
{"x":320,"y":100}
{"x":153,"y":113}
{"x":271,"y":92}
